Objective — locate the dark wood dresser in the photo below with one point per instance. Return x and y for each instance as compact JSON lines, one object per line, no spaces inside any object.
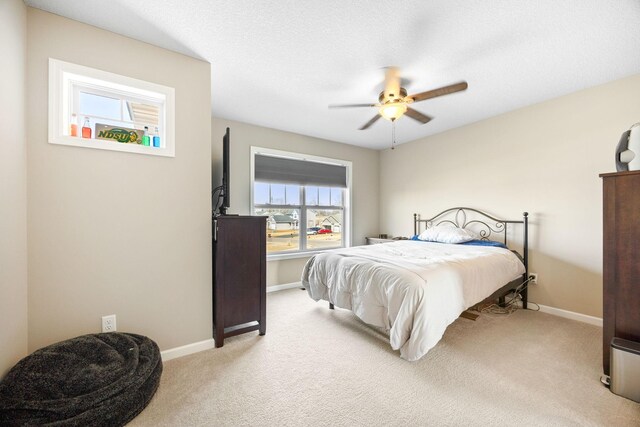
{"x":239,"y":276}
{"x":621,"y":267}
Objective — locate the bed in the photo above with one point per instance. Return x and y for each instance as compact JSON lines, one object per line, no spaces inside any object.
{"x":413,"y":288}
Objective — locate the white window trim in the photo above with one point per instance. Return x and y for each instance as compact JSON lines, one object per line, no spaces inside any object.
{"x":300,"y":156}
{"x":60,"y":73}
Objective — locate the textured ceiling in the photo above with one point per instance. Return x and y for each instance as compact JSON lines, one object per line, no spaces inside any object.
{"x":279,"y":64}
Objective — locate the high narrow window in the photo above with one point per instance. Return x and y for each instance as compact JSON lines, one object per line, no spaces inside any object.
{"x":96,"y":109}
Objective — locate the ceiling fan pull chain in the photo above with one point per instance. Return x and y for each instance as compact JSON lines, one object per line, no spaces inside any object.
{"x":393,"y":135}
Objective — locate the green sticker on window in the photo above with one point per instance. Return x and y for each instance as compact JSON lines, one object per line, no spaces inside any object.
{"x":120,"y":134}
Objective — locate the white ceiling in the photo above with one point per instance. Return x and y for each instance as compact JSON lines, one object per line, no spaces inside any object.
{"x":279,"y":64}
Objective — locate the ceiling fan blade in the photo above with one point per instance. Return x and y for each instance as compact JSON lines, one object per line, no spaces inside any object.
{"x":352,"y":105}
{"x":418,"y":116}
{"x":370,"y":122}
{"x":439,"y":92}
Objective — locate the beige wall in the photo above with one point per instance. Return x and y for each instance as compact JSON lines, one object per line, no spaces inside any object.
{"x":545,"y":159}
{"x":244,"y":136}
{"x":112,"y":232}
{"x":13,"y":185}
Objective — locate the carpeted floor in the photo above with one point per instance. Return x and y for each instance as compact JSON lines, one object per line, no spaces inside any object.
{"x":318,"y":366}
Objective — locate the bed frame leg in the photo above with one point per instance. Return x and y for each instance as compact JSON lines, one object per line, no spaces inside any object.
{"x":525,"y":297}
{"x":330,"y":306}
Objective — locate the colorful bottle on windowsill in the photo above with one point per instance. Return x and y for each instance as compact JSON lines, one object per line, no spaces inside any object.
{"x":146,"y":141}
{"x":86,"y":128}
{"x":156,"y":138}
{"x":73,"y":127}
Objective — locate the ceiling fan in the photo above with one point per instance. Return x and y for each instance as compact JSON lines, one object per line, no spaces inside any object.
{"x":393,"y":101}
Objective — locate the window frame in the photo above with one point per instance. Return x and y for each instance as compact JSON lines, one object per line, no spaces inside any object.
{"x":67,"y":79}
{"x":302,"y":207}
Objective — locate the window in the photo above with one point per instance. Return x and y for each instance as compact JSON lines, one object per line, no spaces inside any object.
{"x":96,"y":109}
{"x":305,"y":199}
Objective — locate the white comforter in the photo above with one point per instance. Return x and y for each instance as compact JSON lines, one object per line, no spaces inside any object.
{"x":413,"y":289}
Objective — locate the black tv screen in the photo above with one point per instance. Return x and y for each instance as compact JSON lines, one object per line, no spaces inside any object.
{"x":225,"y":173}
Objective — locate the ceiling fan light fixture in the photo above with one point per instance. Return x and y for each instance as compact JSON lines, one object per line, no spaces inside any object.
{"x":393,"y":110}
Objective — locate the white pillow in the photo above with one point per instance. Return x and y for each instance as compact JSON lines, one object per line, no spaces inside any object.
{"x":447,"y":234}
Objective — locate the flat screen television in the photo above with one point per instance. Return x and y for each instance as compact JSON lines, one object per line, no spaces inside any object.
{"x":224,"y":193}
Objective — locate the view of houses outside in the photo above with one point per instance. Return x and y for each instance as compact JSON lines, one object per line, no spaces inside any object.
{"x":324,"y":229}
{"x":283,"y":230}
{"x":323,"y":226}
{"x":330,"y":220}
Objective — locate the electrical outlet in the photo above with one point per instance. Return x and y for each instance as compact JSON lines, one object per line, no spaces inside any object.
{"x":109,"y":323}
{"x":534,"y":278}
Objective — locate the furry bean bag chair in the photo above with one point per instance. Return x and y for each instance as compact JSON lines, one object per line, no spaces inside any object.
{"x":92,"y":380}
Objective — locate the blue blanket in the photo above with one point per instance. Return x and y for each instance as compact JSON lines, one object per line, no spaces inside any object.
{"x":474,"y":243}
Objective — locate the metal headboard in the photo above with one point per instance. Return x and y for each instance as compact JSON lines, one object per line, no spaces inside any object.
{"x":486,"y":226}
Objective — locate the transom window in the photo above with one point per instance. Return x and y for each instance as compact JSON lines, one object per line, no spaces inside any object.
{"x":101,"y":106}
{"x":305,"y":200}
{"x":97,"y":109}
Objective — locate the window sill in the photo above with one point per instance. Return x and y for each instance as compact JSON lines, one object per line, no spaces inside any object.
{"x":111,"y":145}
{"x":297,"y":255}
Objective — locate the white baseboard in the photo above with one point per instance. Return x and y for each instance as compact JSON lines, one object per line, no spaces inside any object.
{"x":284,"y":286}
{"x":196,"y":347}
{"x":185,"y":350}
{"x":571,"y":315}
